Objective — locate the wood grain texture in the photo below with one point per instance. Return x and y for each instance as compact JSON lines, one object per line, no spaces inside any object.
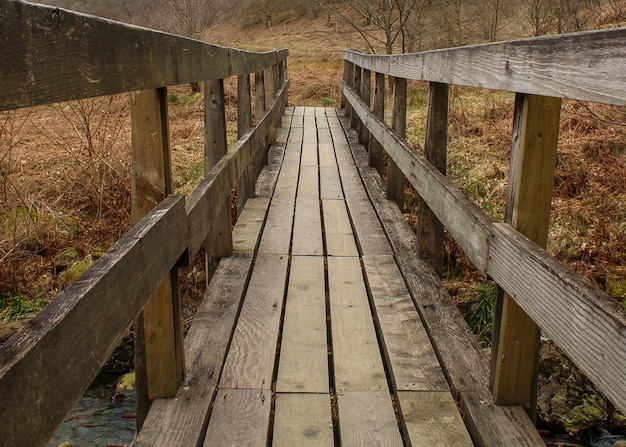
{"x":100,"y":306}
{"x":407,"y":347}
{"x":307,"y":229}
{"x":308,"y":183}
{"x":303,"y":366}
{"x":309,"y":154}
{"x":247,"y":232}
{"x":268,"y":177}
{"x":338,"y":229}
{"x":280,"y":220}
{"x":50,"y":55}
{"x":469,"y":226}
{"x":465,"y":365}
{"x":395,"y":177}
{"x":356,"y":355}
{"x":303,"y":420}
{"x":433,"y":419}
{"x":240,"y":417}
{"x":250,"y":361}
{"x":182,"y":421}
{"x":581,"y":66}
{"x":586,"y":323}
{"x":330,"y":184}
{"x":515,"y":353}
{"x":366,"y":418}
{"x":378,"y":109}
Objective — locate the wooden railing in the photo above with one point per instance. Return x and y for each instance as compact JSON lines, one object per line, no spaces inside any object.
{"x":49,"y":55}
{"x":541,"y":293}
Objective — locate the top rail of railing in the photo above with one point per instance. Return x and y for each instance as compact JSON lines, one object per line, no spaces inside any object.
{"x":52,"y":55}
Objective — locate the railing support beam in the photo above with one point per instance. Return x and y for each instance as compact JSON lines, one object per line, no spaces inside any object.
{"x":366,"y":96}
{"x":430,"y":245}
{"x":159,"y":361}
{"x":395,"y":178}
{"x":515,"y":347}
{"x":375,"y":148}
{"x":244,"y":122}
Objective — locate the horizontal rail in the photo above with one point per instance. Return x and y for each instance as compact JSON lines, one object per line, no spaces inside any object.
{"x":520,"y":267}
{"x":584,"y":66}
{"x":206,"y":201}
{"x":93,"y":56}
{"x":45,"y":368}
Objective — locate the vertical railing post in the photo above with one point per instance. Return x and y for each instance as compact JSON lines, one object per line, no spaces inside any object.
{"x":515,"y":347}
{"x":395,"y":178}
{"x":376,"y":149}
{"x":356,"y":86}
{"x":270,"y":91}
{"x":244,"y":122}
{"x":348,"y":78}
{"x":159,"y":361}
{"x":430,"y":230}
{"x":219,"y":243}
{"x":259,"y":96}
{"x":366,"y":96}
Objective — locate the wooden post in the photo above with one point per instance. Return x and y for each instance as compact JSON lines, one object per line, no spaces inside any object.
{"x":349,"y":80}
{"x":395,"y":178}
{"x":376,"y":149}
{"x":259,"y":96}
{"x":244,"y":122}
{"x":346,"y":66}
{"x":159,"y":361}
{"x":366,"y":96}
{"x":219,"y":243}
{"x":430,"y":230}
{"x":515,"y":347}
{"x":356,"y":85}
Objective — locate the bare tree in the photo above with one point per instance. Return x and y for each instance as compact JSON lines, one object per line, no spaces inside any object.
{"x":538,"y":14}
{"x":189,"y":18}
{"x":383,"y":24}
{"x":576,"y":15}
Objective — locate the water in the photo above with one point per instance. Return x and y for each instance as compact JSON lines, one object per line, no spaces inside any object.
{"x":100,"y":418}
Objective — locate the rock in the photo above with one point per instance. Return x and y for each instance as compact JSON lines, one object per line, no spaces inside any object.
{"x":126,"y":382}
{"x":619,"y":444}
{"x":567,"y":401}
{"x":65,"y":444}
{"x":617,"y":423}
{"x":70,"y":275}
{"x":66,"y":258}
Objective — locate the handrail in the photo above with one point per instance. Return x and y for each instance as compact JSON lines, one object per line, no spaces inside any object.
{"x":94,"y":56}
{"x":581,"y":66}
{"x":48,"y":55}
{"x":587,"y":66}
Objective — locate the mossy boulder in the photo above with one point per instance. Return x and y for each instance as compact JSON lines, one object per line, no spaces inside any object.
{"x":567,"y":401}
{"x":66,"y":258}
{"x":70,"y":275}
{"x":126,"y":382}
{"x":615,"y":286}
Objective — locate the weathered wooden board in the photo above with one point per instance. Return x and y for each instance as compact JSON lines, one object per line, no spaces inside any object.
{"x":367,"y":418}
{"x":466,"y":367}
{"x":303,"y":420}
{"x":280,"y":220}
{"x":337,"y":229}
{"x":407,"y":345}
{"x":240,"y":417}
{"x":330,"y":184}
{"x":287,"y":182}
{"x":310,"y":133}
{"x":250,"y":361}
{"x":584,"y":66}
{"x":327,"y":155}
{"x":181,"y":421}
{"x":433,"y":419}
{"x":309,"y":154}
{"x":597,"y":344}
{"x":307,"y":229}
{"x":49,"y":55}
{"x":303,"y":365}
{"x":268,"y":177}
{"x":100,"y":306}
{"x":469,"y":226}
{"x":356,"y":355}
{"x":248,"y":229}
{"x":308,"y":184}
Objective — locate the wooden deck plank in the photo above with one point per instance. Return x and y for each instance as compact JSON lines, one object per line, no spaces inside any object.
{"x":280,"y":220}
{"x":410,"y":354}
{"x":330,"y":185}
{"x":303,"y":420}
{"x":356,"y":355}
{"x":250,"y":360}
{"x":248,"y":229}
{"x":337,"y":229}
{"x":327,"y":155}
{"x":240,"y":417}
{"x":303,"y":366}
{"x":287,"y":182}
{"x":308,"y":184}
{"x":307,"y":229}
{"x":432,"y":419}
{"x":309,"y":154}
{"x":366,"y":418}
{"x":181,"y":421}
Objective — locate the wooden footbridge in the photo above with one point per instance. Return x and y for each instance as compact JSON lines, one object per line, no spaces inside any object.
{"x":324,"y":322}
